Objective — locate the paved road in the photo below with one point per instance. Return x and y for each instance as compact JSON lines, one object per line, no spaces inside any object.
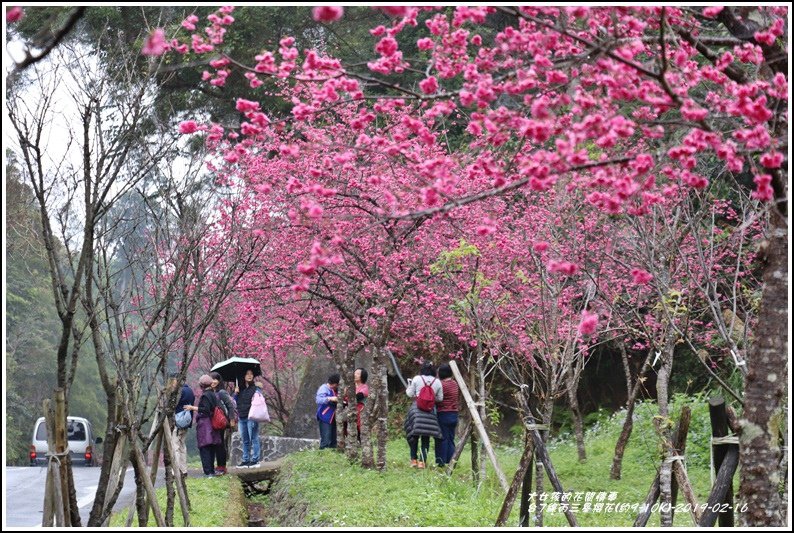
{"x":24,"y":493}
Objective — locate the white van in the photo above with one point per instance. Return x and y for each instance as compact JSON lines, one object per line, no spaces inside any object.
{"x":80,"y":437}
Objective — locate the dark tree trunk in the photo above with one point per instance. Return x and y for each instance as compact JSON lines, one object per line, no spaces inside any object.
{"x":765,"y":391}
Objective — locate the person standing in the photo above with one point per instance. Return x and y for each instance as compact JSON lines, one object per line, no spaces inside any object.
{"x":231,"y":415}
{"x":419,"y":424}
{"x":249,"y":429}
{"x":362,"y":392}
{"x":179,"y":435}
{"x":208,"y":439}
{"x":447,"y":415}
{"x":327,"y":401}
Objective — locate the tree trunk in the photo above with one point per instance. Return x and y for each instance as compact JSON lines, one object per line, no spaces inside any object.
{"x":662,"y":423}
{"x":383,"y":407}
{"x":628,"y":424}
{"x":140,"y":494}
{"x":548,"y":411}
{"x":476,"y":456}
{"x":481,"y":397}
{"x":578,"y":426}
{"x":765,"y":391}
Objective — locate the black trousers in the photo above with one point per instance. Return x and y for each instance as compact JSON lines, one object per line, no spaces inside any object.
{"x":208,"y":454}
{"x":413,"y":444}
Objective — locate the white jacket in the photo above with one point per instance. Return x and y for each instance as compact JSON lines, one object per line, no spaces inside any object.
{"x":415,"y":385}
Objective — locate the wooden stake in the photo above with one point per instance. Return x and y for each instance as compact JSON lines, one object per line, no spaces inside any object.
{"x":475,"y":417}
{"x":523,"y":465}
{"x":178,"y":481}
{"x":542,"y":454}
{"x":137,"y":456}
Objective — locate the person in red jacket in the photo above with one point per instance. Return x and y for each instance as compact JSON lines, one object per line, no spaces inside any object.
{"x":447,"y":410}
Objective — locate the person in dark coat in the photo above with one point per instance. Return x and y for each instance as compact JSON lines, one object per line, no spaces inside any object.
{"x":208,"y":439}
{"x":421,"y":425}
{"x":231,"y":415}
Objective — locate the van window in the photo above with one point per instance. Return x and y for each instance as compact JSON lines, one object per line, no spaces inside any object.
{"x":75,"y":431}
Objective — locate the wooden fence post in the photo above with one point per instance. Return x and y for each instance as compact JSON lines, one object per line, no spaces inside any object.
{"x":725,"y":459}
{"x":719,"y":430}
{"x":523,"y":465}
{"x":475,"y":417}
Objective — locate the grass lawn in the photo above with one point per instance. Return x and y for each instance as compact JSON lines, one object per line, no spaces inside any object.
{"x":321,"y":488}
{"x":216,"y":502}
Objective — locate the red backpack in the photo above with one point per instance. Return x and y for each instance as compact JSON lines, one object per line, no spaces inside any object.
{"x":426,"y":399}
{"x":219,"y":419}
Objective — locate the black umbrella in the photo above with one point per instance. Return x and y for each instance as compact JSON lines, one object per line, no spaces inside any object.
{"x":234,"y":369}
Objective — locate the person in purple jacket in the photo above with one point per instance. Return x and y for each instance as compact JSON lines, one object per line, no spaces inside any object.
{"x":327,"y":400}
{"x":208,"y":439}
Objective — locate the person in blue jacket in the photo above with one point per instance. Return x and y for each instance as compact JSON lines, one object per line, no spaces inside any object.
{"x":179,"y":435}
{"x":327,"y":400}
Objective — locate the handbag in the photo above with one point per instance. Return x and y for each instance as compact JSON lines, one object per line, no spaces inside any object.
{"x":183,"y":419}
{"x":258,"y":411}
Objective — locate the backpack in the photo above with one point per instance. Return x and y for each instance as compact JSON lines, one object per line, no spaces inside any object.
{"x":219,"y":418}
{"x":258,"y":411}
{"x":228,"y":405}
{"x":426,"y":399}
{"x":183,"y":419}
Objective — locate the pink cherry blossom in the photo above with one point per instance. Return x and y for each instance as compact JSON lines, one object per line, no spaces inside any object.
{"x":155,"y":44}
{"x":14,"y":14}
{"x":588,"y":323}
{"x":327,"y":13}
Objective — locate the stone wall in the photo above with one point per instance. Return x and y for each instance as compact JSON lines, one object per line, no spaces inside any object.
{"x":271,"y":447}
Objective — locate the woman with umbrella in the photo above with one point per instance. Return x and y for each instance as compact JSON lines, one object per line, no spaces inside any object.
{"x":249,"y":429}
{"x":244,"y":390}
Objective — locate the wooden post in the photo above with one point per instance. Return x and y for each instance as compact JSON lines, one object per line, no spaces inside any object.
{"x":722,"y":484}
{"x":475,"y":417}
{"x":137,"y":456}
{"x":523,"y":465}
{"x":61,"y":451}
{"x":526,"y":491}
{"x":681,"y":478}
{"x":719,"y":428}
{"x":459,"y":448}
{"x":181,"y":489}
{"x":542,"y":454}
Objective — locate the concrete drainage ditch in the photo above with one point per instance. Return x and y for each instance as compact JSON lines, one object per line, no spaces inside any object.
{"x":259,"y":480}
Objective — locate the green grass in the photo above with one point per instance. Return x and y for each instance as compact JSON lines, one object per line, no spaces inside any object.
{"x":320,"y":488}
{"x":216,"y":502}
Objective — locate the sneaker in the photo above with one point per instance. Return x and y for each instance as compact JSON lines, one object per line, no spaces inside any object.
{"x":209,"y":475}
{"x":254,"y":465}
{"x":414,"y":463}
{"x":242,"y":464}
{"x":220,"y":472}
{"x":420,"y":465}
